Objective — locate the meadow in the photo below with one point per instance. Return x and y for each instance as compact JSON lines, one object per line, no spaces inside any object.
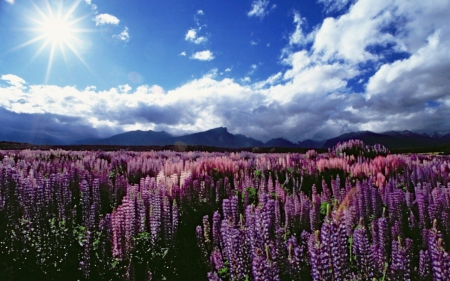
{"x":357,"y":212}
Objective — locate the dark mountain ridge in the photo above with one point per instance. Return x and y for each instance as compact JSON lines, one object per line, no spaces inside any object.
{"x":221,"y":138}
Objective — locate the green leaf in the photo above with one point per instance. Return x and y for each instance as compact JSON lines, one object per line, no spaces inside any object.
{"x":323,"y":208}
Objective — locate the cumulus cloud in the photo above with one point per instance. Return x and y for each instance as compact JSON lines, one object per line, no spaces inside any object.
{"x":123,"y":36}
{"x":191,"y":36}
{"x":103,"y":19}
{"x":13,"y":80}
{"x":260,"y":8}
{"x":335,"y":5}
{"x":298,"y":37}
{"x":206,"y":55}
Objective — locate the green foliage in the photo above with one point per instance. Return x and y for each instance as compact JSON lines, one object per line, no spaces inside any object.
{"x":79,"y":233}
{"x":252,"y":195}
{"x":258,"y":174}
{"x":323,"y":207}
{"x":223,"y":273}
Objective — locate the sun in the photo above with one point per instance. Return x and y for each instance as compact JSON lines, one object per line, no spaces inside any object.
{"x":57,"y":31}
{"x":56,"y":28}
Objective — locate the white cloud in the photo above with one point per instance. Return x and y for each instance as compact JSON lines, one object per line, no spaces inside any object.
{"x":206,"y":55}
{"x":88,"y":2}
{"x":272,"y":80}
{"x":298,"y":37}
{"x":103,"y":19}
{"x":335,"y":5}
{"x":10,"y":1}
{"x":183,"y":54}
{"x":349,"y":36}
{"x":253,"y":43}
{"x":13,"y":80}
{"x":211,"y":74}
{"x":253,"y":68}
{"x":191,"y":36}
{"x":259,"y":8}
{"x":200,"y":12}
{"x":246,"y":79}
{"x":123,"y":36}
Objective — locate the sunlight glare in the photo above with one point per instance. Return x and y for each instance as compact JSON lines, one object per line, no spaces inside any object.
{"x":56,"y":29}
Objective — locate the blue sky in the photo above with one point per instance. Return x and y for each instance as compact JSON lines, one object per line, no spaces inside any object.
{"x":262,"y":68}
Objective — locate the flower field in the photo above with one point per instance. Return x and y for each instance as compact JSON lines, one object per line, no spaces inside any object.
{"x":354,"y":213}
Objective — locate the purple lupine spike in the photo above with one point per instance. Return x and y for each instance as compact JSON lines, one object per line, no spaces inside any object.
{"x":305,"y":209}
{"x":397,"y":261}
{"x":314,"y":256}
{"x":326,"y":193}
{"x":360,"y":201}
{"x":396,"y":229}
{"x":367,"y":195}
{"x":225,"y":238}
{"x":175,"y":219}
{"x":314,"y":214}
{"x":258,"y":266}
{"x":129,"y":212}
{"x":446,"y":264}
{"x":263,"y":219}
{"x":377,"y":203}
{"x":141,"y":218}
{"x":421,"y":199}
{"x":85,"y":261}
{"x":85,"y":202}
{"x":325,"y":247}
{"x":216,"y":259}
{"x":216,"y":229}
{"x":435,"y":250}
{"x":96,"y":196}
{"x":226,"y":209}
{"x":407,"y":253}
{"x":212,"y":276}
{"x":155,"y":218}
{"x":93,"y":218}
{"x":234,"y":205}
{"x":293,"y":256}
{"x":206,"y":230}
{"x":289,"y":211}
{"x":303,"y":244}
{"x":272,"y":268}
{"x":201,"y":243}
{"x":250,"y":231}
{"x":424,"y":265}
{"x":269,"y":209}
{"x":237,"y":265}
{"x":336,"y":189}
{"x":412,"y":223}
{"x":166,"y":219}
{"x":339,"y":251}
{"x":277,"y":218}
{"x":361,"y":249}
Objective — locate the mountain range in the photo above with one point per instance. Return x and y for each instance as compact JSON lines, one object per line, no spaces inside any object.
{"x":220,"y":137}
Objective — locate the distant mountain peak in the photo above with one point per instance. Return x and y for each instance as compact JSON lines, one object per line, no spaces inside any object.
{"x":219,"y":129}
